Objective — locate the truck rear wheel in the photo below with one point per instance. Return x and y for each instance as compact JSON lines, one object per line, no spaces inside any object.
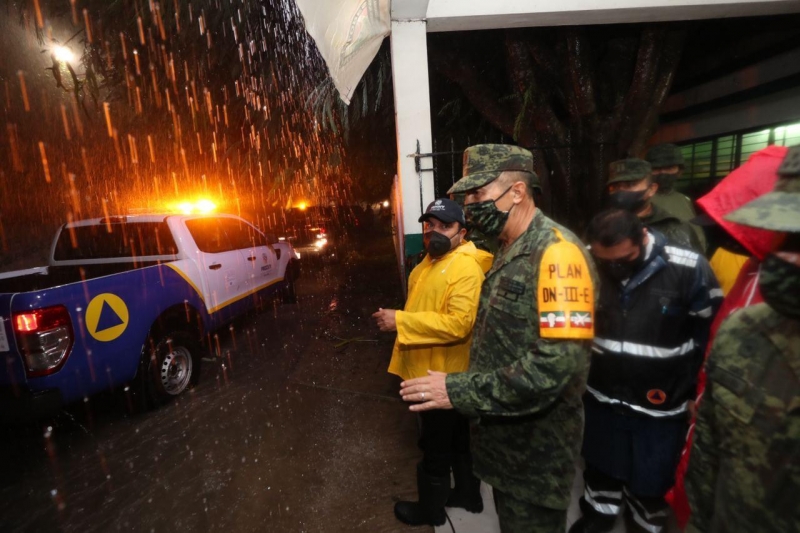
{"x":172,"y":365}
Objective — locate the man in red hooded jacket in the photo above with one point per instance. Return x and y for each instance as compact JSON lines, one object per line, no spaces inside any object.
{"x":751,"y":180}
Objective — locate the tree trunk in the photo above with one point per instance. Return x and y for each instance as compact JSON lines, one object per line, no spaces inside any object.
{"x":556,"y":110}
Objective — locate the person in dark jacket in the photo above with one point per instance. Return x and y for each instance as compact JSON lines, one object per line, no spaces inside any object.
{"x":631,"y":187}
{"x":653,"y":316}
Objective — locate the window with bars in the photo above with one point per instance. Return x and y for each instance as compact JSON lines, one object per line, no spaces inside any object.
{"x":708,"y":161}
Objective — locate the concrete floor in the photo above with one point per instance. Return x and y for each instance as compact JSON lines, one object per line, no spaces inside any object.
{"x":296,"y":428}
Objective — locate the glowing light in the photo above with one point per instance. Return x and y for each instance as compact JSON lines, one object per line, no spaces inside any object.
{"x":64,"y":54}
{"x":205,"y":206}
{"x":386,"y":203}
{"x":202,"y":206}
{"x":302,"y":206}
{"x":27,"y":322}
{"x":185,"y":208}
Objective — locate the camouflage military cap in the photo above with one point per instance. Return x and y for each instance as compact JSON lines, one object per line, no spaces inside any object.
{"x":664,"y":155}
{"x":629,"y":170}
{"x":778,"y":210}
{"x":483,"y":163}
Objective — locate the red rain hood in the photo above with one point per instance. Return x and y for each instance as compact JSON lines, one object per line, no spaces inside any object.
{"x":751,"y":180}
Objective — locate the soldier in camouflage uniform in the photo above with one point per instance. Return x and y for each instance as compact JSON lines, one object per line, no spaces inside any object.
{"x":530,"y":352}
{"x":744,"y":473}
{"x":631,"y":187}
{"x":667,"y":162}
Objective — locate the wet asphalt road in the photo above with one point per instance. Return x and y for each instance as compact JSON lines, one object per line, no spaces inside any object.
{"x":291,"y":429}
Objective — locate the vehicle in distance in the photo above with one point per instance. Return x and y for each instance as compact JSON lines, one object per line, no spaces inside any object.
{"x":312,"y":232}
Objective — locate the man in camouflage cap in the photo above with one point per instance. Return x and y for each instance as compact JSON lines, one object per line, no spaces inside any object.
{"x":530,"y":351}
{"x":667,"y":162}
{"x":631,"y":187}
{"x":744,"y":474}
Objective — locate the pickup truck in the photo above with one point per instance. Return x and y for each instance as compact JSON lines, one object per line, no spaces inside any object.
{"x":130,"y":300}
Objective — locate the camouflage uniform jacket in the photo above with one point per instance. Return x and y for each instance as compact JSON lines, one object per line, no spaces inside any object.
{"x":677,"y":232}
{"x":482,"y":242}
{"x":523,"y":392}
{"x":680,"y":206}
{"x":744,"y":473}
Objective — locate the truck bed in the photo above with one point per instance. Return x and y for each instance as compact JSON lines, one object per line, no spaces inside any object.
{"x":63,"y":275}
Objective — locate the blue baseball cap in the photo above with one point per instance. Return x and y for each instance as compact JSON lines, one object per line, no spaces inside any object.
{"x":445,"y":210}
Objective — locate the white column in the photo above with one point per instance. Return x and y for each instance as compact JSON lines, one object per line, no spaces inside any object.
{"x":412,"y":109}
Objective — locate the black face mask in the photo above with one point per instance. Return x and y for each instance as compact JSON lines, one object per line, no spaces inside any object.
{"x":631,"y":201}
{"x":621,"y":270}
{"x":486,"y":217}
{"x":666,"y":181}
{"x":436,"y":244}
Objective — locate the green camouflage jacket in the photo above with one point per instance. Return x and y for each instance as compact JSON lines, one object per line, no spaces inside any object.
{"x":482,"y":242}
{"x":677,"y":232}
{"x":680,"y":206}
{"x":744,"y":472}
{"x":523,"y":392}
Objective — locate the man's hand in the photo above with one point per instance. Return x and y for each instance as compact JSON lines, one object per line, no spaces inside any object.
{"x":429,"y":392}
{"x":385,"y":319}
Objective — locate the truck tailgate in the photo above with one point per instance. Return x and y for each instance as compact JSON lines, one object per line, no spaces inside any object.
{"x":12,"y":373}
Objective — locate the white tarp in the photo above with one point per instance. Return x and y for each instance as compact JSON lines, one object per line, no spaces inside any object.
{"x":348,"y":34}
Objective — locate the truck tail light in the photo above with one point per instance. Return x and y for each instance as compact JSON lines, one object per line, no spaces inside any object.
{"x":45,"y":338}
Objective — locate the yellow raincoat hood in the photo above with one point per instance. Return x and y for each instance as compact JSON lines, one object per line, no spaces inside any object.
{"x":434,"y":331}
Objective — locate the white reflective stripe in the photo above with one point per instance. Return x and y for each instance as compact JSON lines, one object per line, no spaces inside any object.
{"x":703,"y":313}
{"x":616,"y":494}
{"x":605,"y":399}
{"x":613,"y":346}
{"x":685,"y":261}
{"x":643,"y":523}
{"x":680,"y":256}
{"x":681,"y":252}
{"x":644,"y":350}
{"x":602,"y":508}
{"x":716,"y":293}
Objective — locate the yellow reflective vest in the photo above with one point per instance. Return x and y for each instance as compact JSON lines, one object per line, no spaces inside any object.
{"x":434,"y":331}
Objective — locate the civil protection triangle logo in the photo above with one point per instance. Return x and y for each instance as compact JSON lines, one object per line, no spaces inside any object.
{"x":552,"y":319}
{"x":579,"y":319}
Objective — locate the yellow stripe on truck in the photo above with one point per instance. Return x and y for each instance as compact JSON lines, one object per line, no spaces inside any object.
{"x":244,"y":295}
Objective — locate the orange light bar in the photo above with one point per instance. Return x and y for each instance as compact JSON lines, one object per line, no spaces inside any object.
{"x":202,"y":206}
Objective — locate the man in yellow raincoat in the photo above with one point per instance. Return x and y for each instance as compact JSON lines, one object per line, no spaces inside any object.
{"x":434,"y":332}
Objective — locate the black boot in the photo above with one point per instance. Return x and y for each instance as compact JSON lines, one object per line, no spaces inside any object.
{"x":429,"y":510}
{"x":467,"y":491}
{"x":586,"y":525}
